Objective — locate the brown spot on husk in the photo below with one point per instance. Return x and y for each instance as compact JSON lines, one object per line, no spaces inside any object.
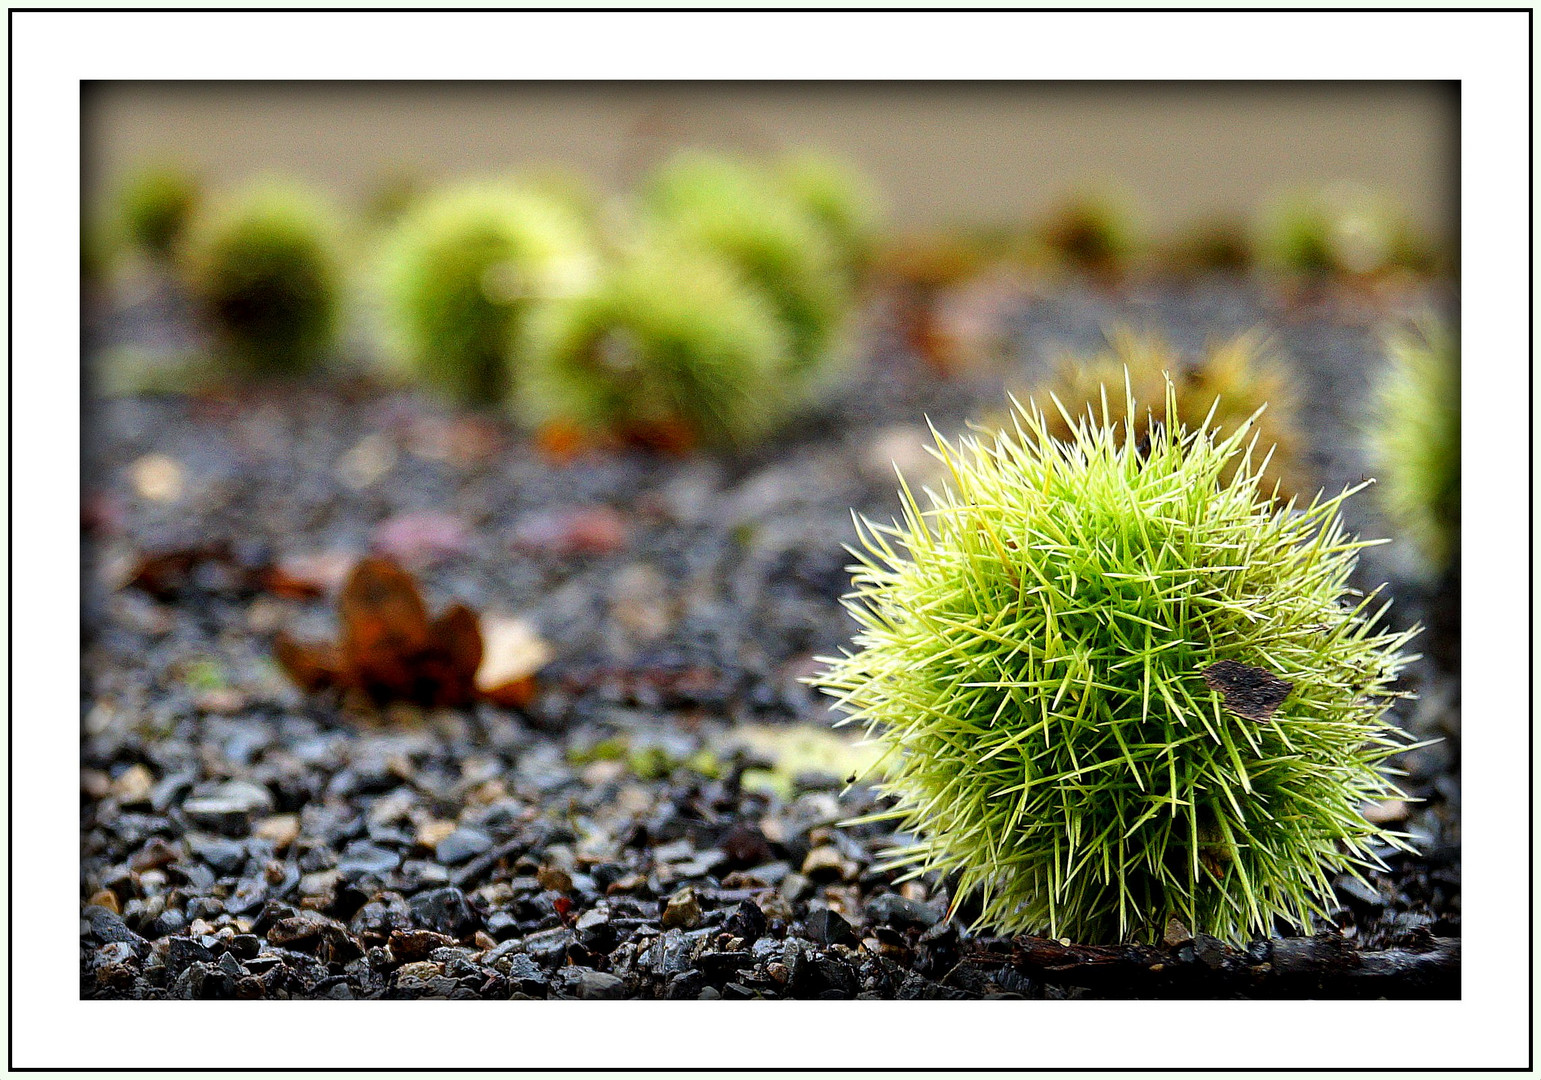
{"x":1249,"y":692}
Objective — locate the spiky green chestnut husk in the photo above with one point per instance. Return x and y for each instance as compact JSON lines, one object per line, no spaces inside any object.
{"x":1223,"y":243}
{"x":735,"y":211}
{"x":1096,"y":232}
{"x":1233,"y":382}
{"x":668,"y":335}
{"x":841,"y":199}
{"x":1340,"y":229}
{"x":265,"y":269}
{"x":462,"y":270}
{"x":155,"y":206}
{"x":1414,"y":441}
{"x":1032,"y":657}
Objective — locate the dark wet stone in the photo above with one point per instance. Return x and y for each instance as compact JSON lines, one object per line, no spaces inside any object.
{"x":170,"y":921}
{"x":156,"y":853}
{"x":685,"y":986}
{"x":118,"y":952}
{"x":721,"y":965}
{"x":170,"y":788}
{"x":502,"y":924}
{"x":1358,"y":892}
{"x":197,"y":877}
{"x":985,"y":980}
{"x":362,"y":858}
{"x":828,"y":928}
{"x":744,"y":845}
{"x":182,"y":951}
{"x":1212,"y":952}
{"x":250,"y":894}
{"x":107,"y":926}
{"x":526,"y":977}
{"x":245,"y":946}
{"x":594,"y":930}
{"x":588,"y":984}
{"x":891,"y":909}
{"x":382,"y":914}
{"x":231,"y":966}
{"x":311,"y":931}
{"x":462,"y":844}
{"x":549,"y":947}
{"x":445,"y":910}
{"x":207,"y":908}
{"x":771,"y":873}
{"x":703,"y":865}
{"x":837,"y":975}
{"x":417,"y":874}
{"x":746,"y":921}
{"x":229,"y":807}
{"x":115,"y":966}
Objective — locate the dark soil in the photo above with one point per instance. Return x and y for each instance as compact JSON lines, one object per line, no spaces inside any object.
{"x":613,"y":839}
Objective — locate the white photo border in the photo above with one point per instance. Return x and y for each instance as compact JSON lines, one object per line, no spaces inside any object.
{"x":53,"y":52}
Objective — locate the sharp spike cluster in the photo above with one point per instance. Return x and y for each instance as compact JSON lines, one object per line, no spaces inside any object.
{"x":1031,"y":656}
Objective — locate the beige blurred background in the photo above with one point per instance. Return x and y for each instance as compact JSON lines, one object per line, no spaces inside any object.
{"x":944,"y":153}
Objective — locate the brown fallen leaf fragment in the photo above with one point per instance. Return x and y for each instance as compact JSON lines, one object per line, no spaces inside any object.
{"x":217,"y":566}
{"x":312,"y":666}
{"x":672,"y":438}
{"x":514,"y":653}
{"x":166,"y":574}
{"x":309,"y":575}
{"x":1250,"y":692}
{"x":561,"y":442}
{"x":454,"y":655}
{"x":281,"y":581}
{"x":390,"y":650}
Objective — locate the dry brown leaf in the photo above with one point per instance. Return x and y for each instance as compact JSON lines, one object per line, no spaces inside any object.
{"x":514,"y":652}
{"x":561,"y":442}
{"x":311,"y":666}
{"x":384,"y":629}
{"x":389,"y":649}
{"x":673,"y":438}
{"x":454,"y":655}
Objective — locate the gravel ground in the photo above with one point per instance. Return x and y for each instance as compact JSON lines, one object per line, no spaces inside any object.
{"x":639,"y":830}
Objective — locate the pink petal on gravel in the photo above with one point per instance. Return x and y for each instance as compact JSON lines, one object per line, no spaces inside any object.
{"x":421,"y":537}
{"x":574,"y":530}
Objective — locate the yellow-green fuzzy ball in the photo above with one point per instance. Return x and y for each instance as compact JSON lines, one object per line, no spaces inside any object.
{"x":1339,"y":228}
{"x":669,"y":335}
{"x":264,"y":267}
{"x":462,"y":270}
{"x":1114,"y":687}
{"x":1233,"y":382}
{"x":737,"y":212}
{"x":844,"y":202}
{"x":1096,"y":232}
{"x":1414,"y":441}
{"x":155,"y":206}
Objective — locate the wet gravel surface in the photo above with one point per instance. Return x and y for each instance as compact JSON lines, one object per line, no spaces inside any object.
{"x":620,"y":836}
